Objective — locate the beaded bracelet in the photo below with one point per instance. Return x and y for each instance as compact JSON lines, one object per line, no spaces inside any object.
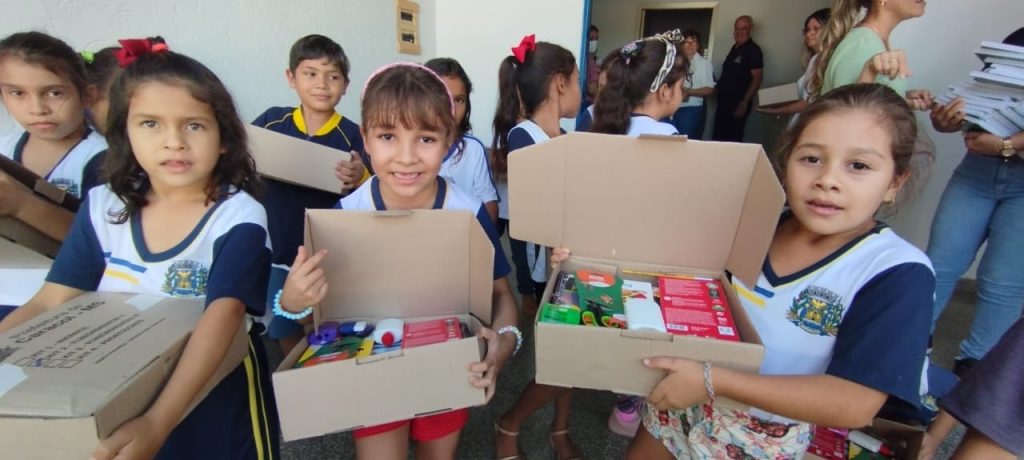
{"x":519,"y":336}
{"x":707,"y":382}
{"x":279,"y":311}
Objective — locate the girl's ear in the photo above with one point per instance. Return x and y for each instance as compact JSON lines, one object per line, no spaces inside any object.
{"x":895,"y":187}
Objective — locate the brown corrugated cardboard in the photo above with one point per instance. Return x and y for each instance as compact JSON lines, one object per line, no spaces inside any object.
{"x":276,"y":157}
{"x":27,"y":236}
{"x":407,"y":264}
{"x":655,"y":204}
{"x":778,"y":95}
{"x":22,"y":272}
{"x":72,"y":375}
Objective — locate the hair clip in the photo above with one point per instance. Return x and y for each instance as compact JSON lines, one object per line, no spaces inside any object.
{"x":131,"y":49}
{"x":87,"y":56}
{"x":673,"y":36}
{"x":630,"y":50}
{"x":376,"y":73}
{"x":527,"y":44}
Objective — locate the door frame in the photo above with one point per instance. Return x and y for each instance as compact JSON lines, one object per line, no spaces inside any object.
{"x":710,"y":39}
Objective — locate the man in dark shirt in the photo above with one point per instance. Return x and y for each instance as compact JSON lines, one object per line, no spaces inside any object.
{"x":740,"y":79}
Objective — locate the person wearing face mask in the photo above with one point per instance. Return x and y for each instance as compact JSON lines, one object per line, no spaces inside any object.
{"x":593,"y":68}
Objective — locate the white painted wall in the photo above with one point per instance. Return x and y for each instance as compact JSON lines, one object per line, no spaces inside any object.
{"x":480,"y":33}
{"x":777,"y":29}
{"x":246,"y":43}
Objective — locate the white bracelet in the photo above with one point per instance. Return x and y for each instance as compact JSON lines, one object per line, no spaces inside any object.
{"x":513,"y":330}
{"x":707,"y":382}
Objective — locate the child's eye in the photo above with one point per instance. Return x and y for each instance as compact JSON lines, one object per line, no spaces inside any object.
{"x":810,"y":159}
{"x":15,"y":92}
{"x":386,"y":136}
{"x":147,"y":124}
{"x":860,"y":166}
{"x":55,"y":93}
{"x":310,"y":74}
{"x":428,"y":139}
{"x":460,"y":100}
{"x":335,"y":77}
{"x":194,"y":126}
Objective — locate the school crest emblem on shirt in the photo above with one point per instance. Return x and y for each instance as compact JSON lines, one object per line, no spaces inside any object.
{"x":817,"y":310}
{"x":186,"y":278}
{"x":67,"y":185}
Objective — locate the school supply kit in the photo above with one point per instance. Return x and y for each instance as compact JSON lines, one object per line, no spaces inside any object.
{"x":702,"y":208}
{"x":394,"y":336}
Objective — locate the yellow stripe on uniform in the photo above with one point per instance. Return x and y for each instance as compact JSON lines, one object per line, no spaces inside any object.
{"x":249,"y":375}
{"x":747,"y":294}
{"x":263,"y":404}
{"x":120,"y":275}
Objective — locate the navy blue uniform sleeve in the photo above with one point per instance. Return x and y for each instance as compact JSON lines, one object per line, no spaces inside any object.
{"x":756,"y":58}
{"x":80,"y":263}
{"x":584,"y":121}
{"x":91,"y":175}
{"x":501,"y":266}
{"x":519,"y":138}
{"x":241,"y":267}
{"x":883,"y":338}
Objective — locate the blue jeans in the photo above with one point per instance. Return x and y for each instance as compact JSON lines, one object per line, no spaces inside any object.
{"x":984,"y":200}
{"x":690,"y":121}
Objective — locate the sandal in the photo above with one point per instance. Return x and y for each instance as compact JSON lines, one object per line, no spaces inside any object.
{"x":565,"y":433}
{"x":515,"y":434}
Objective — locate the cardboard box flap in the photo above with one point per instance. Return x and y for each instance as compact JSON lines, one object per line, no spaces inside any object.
{"x":38,"y":379}
{"x":761,"y":211}
{"x":438,"y":262}
{"x":295,"y":161}
{"x":685,"y":204}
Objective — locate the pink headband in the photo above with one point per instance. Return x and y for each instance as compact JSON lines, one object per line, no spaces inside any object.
{"x":451,"y":100}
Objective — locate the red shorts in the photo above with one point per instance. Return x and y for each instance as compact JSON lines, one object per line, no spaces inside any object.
{"x":426,"y":428}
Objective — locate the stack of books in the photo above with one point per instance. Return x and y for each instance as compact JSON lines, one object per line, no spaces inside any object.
{"x":994,"y":96}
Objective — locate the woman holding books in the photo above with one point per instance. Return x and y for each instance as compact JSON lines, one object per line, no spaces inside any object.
{"x":983,"y":202}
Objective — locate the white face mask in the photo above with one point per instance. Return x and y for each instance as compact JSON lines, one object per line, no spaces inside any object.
{"x":592,"y":46}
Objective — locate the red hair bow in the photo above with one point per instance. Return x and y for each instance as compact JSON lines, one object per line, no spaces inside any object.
{"x":528,"y":43}
{"x":131,"y":49}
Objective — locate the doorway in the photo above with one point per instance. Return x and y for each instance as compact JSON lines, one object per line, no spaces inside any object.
{"x":699,"y":16}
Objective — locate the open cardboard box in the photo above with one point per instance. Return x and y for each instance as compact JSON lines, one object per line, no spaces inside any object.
{"x":414,"y":265}
{"x":71,"y":376}
{"x":778,"y":95}
{"x":22,"y":273}
{"x":277,"y":156}
{"x":905,"y":439}
{"x":656,"y":204}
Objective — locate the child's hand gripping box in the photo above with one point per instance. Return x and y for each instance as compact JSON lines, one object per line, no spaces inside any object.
{"x":414,"y":265}
{"x":72,"y":375}
{"x":647,"y":204}
{"x":296,"y":161}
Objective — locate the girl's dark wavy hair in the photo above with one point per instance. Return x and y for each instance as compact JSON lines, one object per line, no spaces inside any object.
{"x":235,"y":170}
{"x":522,"y":87}
{"x":52,"y":53}
{"x":628,"y":83}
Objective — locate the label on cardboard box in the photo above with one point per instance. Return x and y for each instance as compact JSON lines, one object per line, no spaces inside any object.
{"x":94,"y":353}
{"x":696,"y":307}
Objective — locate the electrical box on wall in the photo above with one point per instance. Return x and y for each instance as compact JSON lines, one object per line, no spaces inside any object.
{"x":408,"y":18}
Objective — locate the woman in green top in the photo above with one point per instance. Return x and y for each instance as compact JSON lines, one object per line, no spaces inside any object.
{"x":859,"y":52}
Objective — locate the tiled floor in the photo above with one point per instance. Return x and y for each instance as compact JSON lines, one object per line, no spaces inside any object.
{"x":590,"y":408}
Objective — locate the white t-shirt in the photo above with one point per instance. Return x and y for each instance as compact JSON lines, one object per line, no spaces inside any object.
{"x":701,"y":76}
{"x":469,"y":170}
{"x":70,"y":172}
{"x":643,"y":124}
